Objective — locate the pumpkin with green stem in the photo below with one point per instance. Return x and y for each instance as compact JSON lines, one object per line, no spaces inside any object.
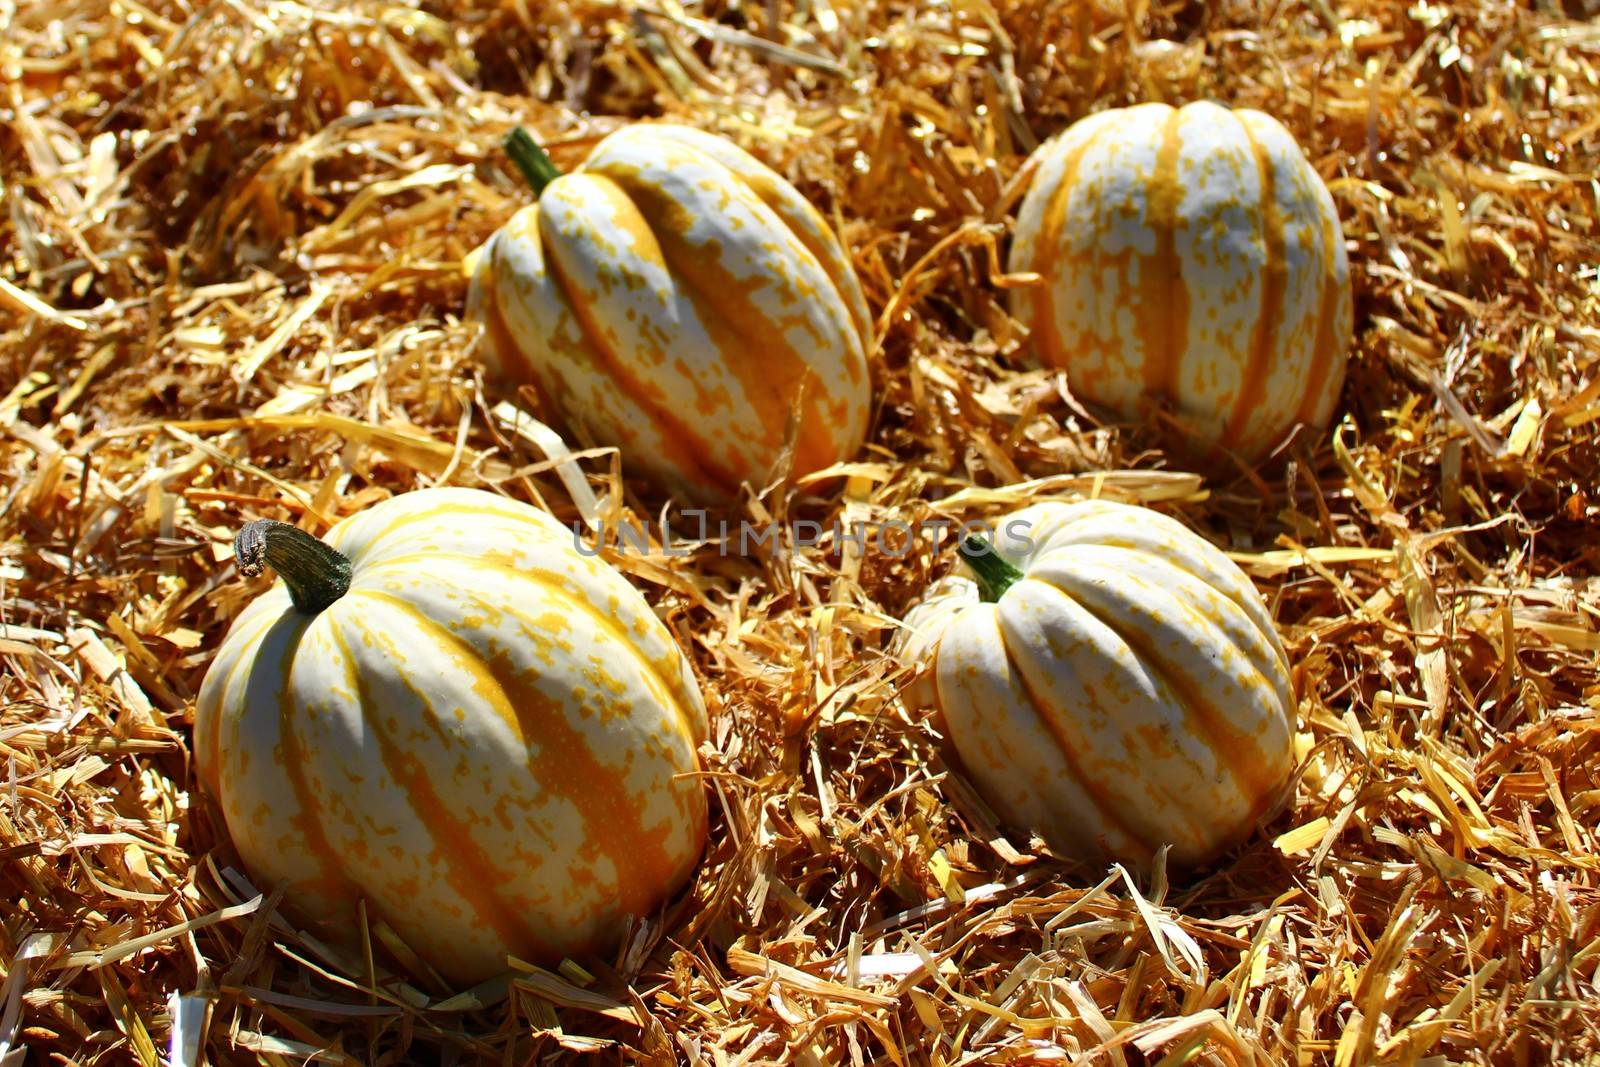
{"x":675,"y":298}
{"x":1111,"y":680}
{"x":448,"y":710}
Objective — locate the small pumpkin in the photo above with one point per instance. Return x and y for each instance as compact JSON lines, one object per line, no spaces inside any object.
{"x":1112,"y":680}
{"x":450,"y":711}
{"x":677,"y":299}
{"x":1192,"y":256}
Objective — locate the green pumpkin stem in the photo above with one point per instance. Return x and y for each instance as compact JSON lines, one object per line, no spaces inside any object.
{"x":531,"y":160}
{"x":315,"y":574}
{"x":995,"y":575}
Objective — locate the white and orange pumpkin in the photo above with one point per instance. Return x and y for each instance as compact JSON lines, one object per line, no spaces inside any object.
{"x":1193,"y":257}
{"x":676,"y":298}
{"x":1111,"y":680}
{"x":450,"y":711}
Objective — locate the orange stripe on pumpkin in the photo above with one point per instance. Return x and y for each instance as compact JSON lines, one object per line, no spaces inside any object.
{"x":420,"y":518}
{"x":471,"y":872}
{"x":334,"y":880}
{"x":1103,"y":802}
{"x":834,"y":266}
{"x":561,"y":760}
{"x":685,"y":449}
{"x":664,"y":674}
{"x":662,"y":671}
{"x":1244,"y":757}
{"x":1047,"y":344}
{"x":1164,"y":297}
{"x":501,"y":342}
{"x":751,"y":347}
{"x":1274,"y":277}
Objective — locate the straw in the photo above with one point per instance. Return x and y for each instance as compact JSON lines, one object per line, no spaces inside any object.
{"x":230,"y":288}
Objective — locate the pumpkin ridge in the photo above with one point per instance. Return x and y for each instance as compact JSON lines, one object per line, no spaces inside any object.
{"x":717,"y":296}
{"x":851,"y":297}
{"x":814,"y":243}
{"x":469,"y":871}
{"x":673,"y":688}
{"x":662,"y":690}
{"x":797,"y":214}
{"x":1179,"y":804}
{"x":309,"y":821}
{"x":502,"y":344}
{"x":552,"y":582}
{"x":208,"y":758}
{"x":1047,"y":341}
{"x":1212,"y":720}
{"x":359,"y":553}
{"x":1274,"y":277}
{"x":1254,"y":613}
{"x":1107,"y":807}
{"x":763,"y":386}
{"x":1171,"y":586}
{"x":688,"y":449}
{"x":638,"y":857}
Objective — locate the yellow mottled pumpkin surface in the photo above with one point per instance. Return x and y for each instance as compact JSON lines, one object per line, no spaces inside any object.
{"x":1128,"y":691}
{"x":1190,"y":256}
{"x":676,"y":298}
{"x":490,"y":737}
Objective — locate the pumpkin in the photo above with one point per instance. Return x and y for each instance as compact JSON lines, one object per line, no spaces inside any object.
{"x":1111,"y":680}
{"x":675,"y":298}
{"x":450,"y":711}
{"x":1192,"y":257}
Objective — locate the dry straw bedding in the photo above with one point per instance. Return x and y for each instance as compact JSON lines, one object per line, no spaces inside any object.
{"x":229,"y":288}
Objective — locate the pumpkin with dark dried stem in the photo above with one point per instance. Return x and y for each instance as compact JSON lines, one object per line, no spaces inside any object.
{"x":448,"y":710}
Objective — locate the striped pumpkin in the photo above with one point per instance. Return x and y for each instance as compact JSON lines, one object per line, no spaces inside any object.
{"x":677,"y":299}
{"x":448,"y":710}
{"x":1113,"y":681}
{"x":1194,"y":257}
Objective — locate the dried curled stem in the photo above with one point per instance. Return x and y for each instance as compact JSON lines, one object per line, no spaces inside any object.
{"x":316,"y":574}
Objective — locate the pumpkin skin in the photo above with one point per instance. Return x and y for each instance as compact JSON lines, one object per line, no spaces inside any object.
{"x":673,"y":297}
{"x":1127,"y":692}
{"x":487,"y":737}
{"x":925,"y":622}
{"x":1192,"y":256}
